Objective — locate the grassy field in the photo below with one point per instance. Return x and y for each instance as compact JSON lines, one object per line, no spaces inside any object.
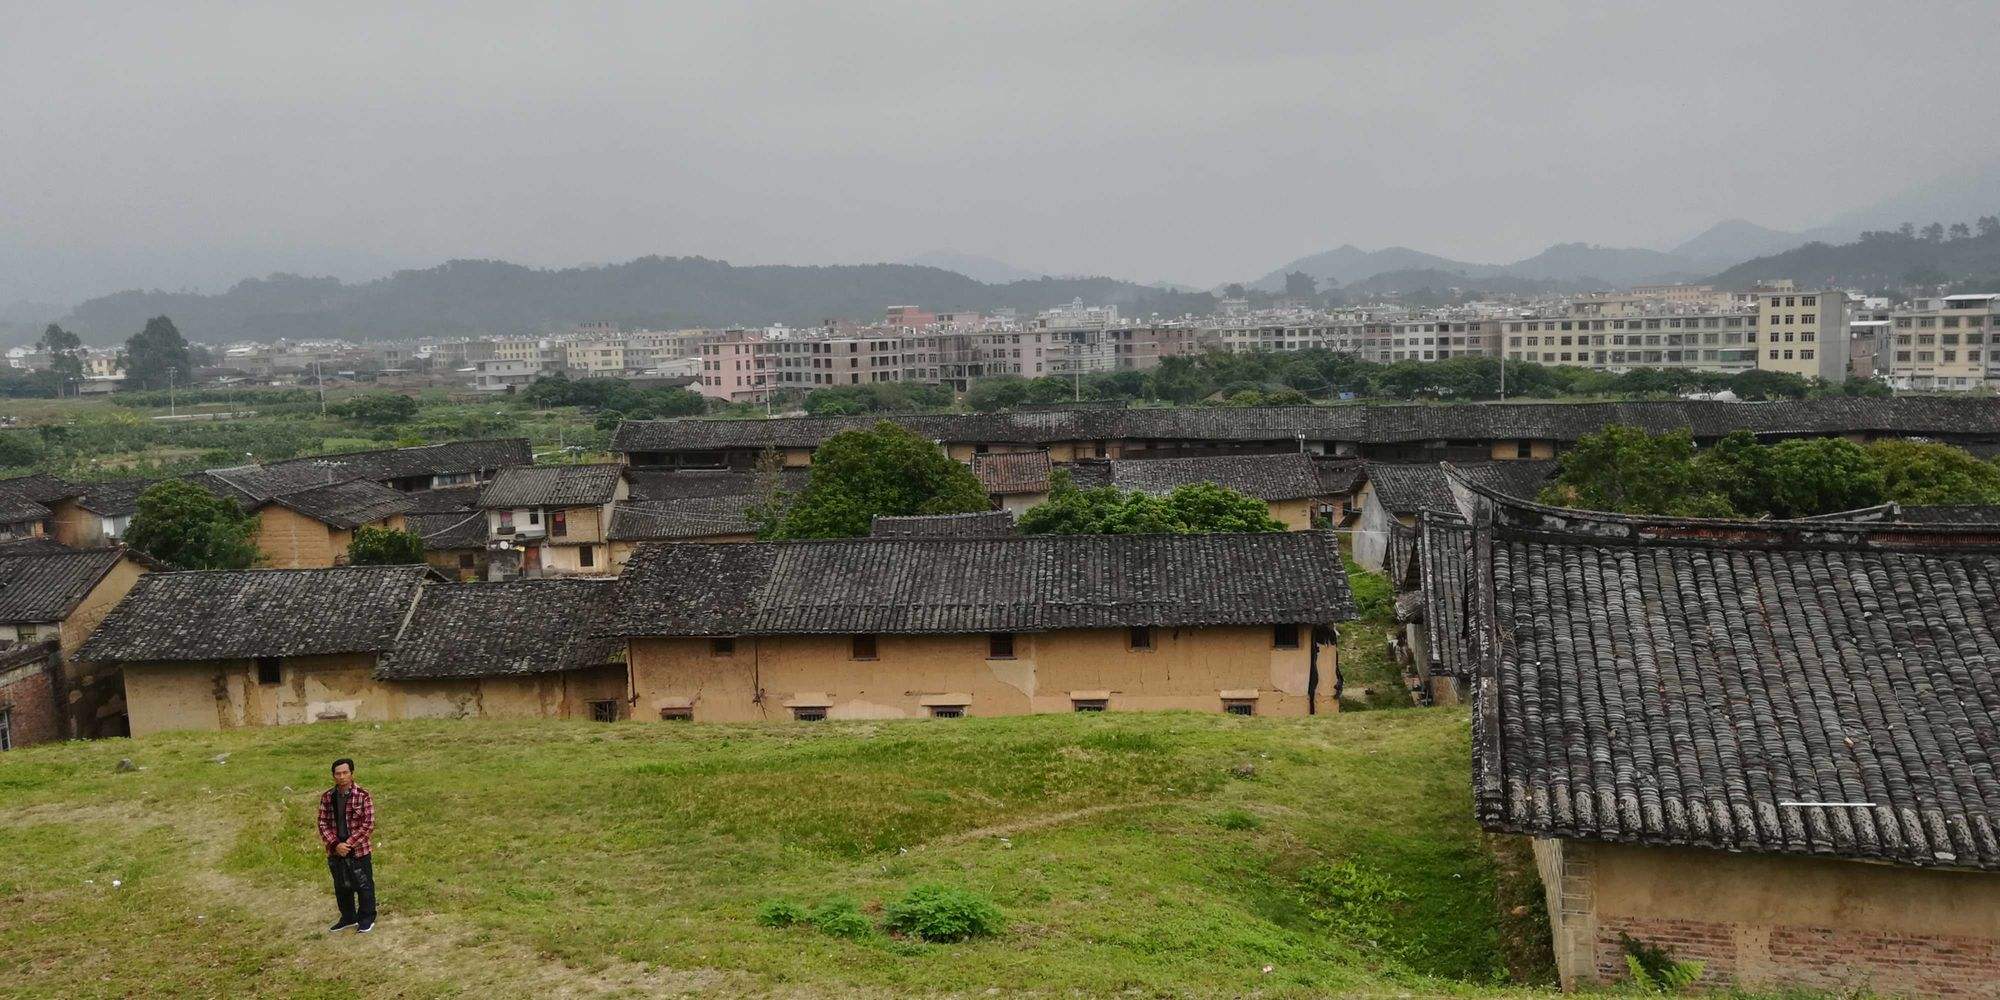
{"x":1145,"y":855}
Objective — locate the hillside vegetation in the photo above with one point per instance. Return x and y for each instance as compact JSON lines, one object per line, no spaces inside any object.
{"x":1153,"y":855}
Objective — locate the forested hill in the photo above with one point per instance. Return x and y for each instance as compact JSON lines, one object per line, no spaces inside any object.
{"x":483,"y":296}
{"x":1881,"y":260}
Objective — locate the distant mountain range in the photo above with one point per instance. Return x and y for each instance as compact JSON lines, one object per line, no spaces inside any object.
{"x":465,"y":297}
{"x":1568,"y":263}
{"x":972,"y":265}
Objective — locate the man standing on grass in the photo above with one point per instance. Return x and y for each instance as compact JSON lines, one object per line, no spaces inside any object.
{"x":346,"y":819}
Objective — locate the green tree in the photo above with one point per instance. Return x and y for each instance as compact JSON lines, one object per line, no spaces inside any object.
{"x":1626,"y":470}
{"x":1300,"y":285}
{"x":19,"y":449}
{"x":379,"y":408}
{"x":1820,"y":476}
{"x":1739,"y":469}
{"x":188,"y":527}
{"x":998,"y":393}
{"x":1761,"y":384}
{"x":376,"y":546}
{"x":156,"y":357}
{"x":884,"y":471}
{"x":65,"y":362}
{"x":1196,"y":508}
{"x":1179,"y":380}
{"x":1922,"y":472}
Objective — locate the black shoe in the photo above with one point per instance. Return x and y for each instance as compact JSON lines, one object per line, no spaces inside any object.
{"x":365,"y":927}
{"x":341,"y":926}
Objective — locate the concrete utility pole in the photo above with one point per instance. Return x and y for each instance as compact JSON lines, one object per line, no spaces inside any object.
{"x":321,"y":382}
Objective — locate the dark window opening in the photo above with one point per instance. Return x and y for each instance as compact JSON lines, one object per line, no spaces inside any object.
{"x":1000,"y":646}
{"x":1523,"y":449}
{"x":465,"y":560}
{"x":1141,"y":638}
{"x":677,"y":715}
{"x":947,"y":711}
{"x":862,"y":647}
{"x":1284,"y":637}
{"x":816,"y":713}
{"x":586,"y":557}
{"x":604,"y":711}
{"x":725,"y":646}
{"x":559,"y":523}
{"x":1090,"y":704}
{"x":268,"y":670}
{"x":1240,"y":706}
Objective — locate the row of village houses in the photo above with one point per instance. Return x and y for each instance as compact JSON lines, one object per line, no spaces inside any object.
{"x":1769,"y":746}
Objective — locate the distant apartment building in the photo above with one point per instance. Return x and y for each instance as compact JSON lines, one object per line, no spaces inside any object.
{"x":835,"y":361}
{"x":1803,"y":332}
{"x":527,"y":349}
{"x":910,"y":317}
{"x":737,"y":369}
{"x":1944,"y":343}
{"x":494,"y":375}
{"x":1710,"y":341}
{"x":594,"y":356}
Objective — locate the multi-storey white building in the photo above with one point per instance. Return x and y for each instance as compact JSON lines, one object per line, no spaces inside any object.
{"x":1803,"y":332}
{"x":1945,"y":343}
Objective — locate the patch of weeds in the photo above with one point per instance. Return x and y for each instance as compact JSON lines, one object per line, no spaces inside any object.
{"x":942,"y":913}
{"x":840,"y":918}
{"x":1236,"y":819}
{"x":1353,"y":901}
{"x":780,"y":913}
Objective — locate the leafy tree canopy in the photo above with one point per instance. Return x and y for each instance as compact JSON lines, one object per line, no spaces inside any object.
{"x":1923,"y":472}
{"x":1196,"y":508}
{"x":188,"y":527}
{"x":375,"y":546}
{"x":884,"y":471}
{"x":157,"y":356}
{"x":379,"y":408}
{"x":62,"y":347}
{"x":1626,"y":470}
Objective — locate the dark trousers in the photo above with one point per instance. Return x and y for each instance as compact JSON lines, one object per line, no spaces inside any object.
{"x":353,"y":886}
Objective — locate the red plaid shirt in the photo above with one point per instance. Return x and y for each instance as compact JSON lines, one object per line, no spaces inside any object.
{"x":360,"y":821}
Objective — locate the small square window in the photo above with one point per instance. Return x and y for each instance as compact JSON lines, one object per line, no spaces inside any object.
{"x":465,"y":560}
{"x":862,"y":647}
{"x":947,"y":711}
{"x":1285,"y":636}
{"x":269,"y":670}
{"x":1140,"y":638}
{"x":604,"y":711}
{"x":1090,"y":704}
{"x":1239,"y":706}
{"x":1000,"y":646}
{"x":722,"y":646}
{"x":816,"y":713}
{"x":677,"y":715}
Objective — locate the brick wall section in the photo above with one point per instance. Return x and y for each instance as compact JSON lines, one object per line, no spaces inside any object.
{"x":1818,"y":958}
{"x":1712,"y":944}
{"x":28,"y":691}
{"x":1927,"y":965}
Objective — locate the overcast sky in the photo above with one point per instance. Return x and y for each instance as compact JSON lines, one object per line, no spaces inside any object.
{"x":177,"y":144}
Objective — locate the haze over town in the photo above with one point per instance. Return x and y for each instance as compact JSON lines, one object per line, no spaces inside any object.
{"x":177,"y":147}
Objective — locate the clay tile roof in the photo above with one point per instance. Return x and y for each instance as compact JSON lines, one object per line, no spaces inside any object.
{"x":445,"y":499}
{"x":40,"y":487}
{"x":696,"y":517}
{"x":1283,"y":476}
{"x":1951,"y":514}
{"x":981,"y":524}
{"x":1338,"y":476}
{"x":38,"y":584}
{"x":115,"y":498}
{"x":451,"y":458}
{"x":684,"y":484}
{"x":1443,"y":540}
{"x":499,"y":629}
{"x":346,"y":506}
{"x":1406,"y":489}
{"x":1005,"y":473}
{"x":236,"y":614}
{"x":251,"y":485}
{"x":15,"y":509}
{"x":1792,"y":687}
{"x":450,"y":530}
{"x":969,"y":585}
{"x":552,"y":486}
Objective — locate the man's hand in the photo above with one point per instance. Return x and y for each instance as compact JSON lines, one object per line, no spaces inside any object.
{"x":342,"y":849}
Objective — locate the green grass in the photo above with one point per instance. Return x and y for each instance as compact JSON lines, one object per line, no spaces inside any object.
{"x":1127,"y":853}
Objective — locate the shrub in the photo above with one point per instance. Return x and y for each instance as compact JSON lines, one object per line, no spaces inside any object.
{"x":1654,"y":967}
{"x":780,"y":913}
{"x":1373,"y":600}
{"x":1354,"y":901}
{"x":839,"y":917}
{"x":941,"y":913}
{"x":1236,"y":819}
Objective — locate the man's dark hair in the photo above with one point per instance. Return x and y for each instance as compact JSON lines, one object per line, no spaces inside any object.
{"x":349,"y":761}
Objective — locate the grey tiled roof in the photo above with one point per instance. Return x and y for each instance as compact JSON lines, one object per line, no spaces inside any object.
{"x":696,"y":517}
{"x":1284,"y":476}
{"x":980,"y":524}
{"x":499,"y":629}
{"x":250,"y":485}
{"x":1338,"y":476}
{"x":347,"y":505}
{"x":450,"y":530}
{"x":1443,"y":541}
{"x":1692,"y":685}
{"x":1406,"y":489}
{"x":40,"y":487}
{"x":444,"y":499}
{"x":679,"y":484}
{"x":42,"y":585}
{"x":969,"y":585}
{"x":1951,"y":514}
{"x":450,"y":458}
{"x":552,"y":486}
{"x":114,"y":498}
{"x":1005,"y":473}
{"x":233,"y":614}
{"x":16,"y":509}
{"x":1907,"y":415}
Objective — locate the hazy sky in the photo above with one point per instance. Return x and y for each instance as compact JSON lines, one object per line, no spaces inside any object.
{"x":179,"y":144}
